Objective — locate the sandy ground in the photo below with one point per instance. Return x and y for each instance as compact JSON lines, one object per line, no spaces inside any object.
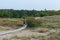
{"x":22,"y":34}
{"x":27,"y":34}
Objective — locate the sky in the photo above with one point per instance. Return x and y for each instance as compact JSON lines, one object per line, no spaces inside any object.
{"x":30,"y":4}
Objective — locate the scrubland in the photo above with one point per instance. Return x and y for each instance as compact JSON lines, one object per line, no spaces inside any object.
{"x":49,"y":29}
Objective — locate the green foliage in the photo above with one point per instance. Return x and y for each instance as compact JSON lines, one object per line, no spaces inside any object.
{"x":33,"y":23}
{"x":10,"y":13}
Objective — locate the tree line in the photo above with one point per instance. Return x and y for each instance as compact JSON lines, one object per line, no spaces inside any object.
{"x":10,"y":13}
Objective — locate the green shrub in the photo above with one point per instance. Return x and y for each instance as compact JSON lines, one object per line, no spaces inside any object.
{"x":33,"y":23}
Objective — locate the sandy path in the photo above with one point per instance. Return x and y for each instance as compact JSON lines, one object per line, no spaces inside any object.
{"x":11,"y":31}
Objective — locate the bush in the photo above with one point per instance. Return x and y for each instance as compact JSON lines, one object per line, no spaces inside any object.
{"x":33,"y":23}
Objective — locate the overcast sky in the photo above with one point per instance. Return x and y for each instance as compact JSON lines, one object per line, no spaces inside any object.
{"x":30,"y":4}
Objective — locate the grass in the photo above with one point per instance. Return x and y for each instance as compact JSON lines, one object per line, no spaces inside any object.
{"x":24,"y":38}
{"x":10,"y":23}
{"x":50,"y":21}
{"x":47,"y":22}
{"x":3,"y":29}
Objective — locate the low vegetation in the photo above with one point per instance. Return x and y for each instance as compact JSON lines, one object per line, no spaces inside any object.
{"x":51,"y":21}
{"x":52,"y":37}
{"x":48,"y":21}
{"x":13,"y":23}
{"x":45,"y":22}
{"x":32,"y":23}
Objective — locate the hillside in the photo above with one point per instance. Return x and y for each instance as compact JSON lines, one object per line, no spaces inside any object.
{"x":51,"y":21}
{"x":49,"y":30}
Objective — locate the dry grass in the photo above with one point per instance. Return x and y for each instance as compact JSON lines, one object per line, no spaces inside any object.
{"x":10,"y":23}
{"x":48,"y":22}
{"x":29,"y":35}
